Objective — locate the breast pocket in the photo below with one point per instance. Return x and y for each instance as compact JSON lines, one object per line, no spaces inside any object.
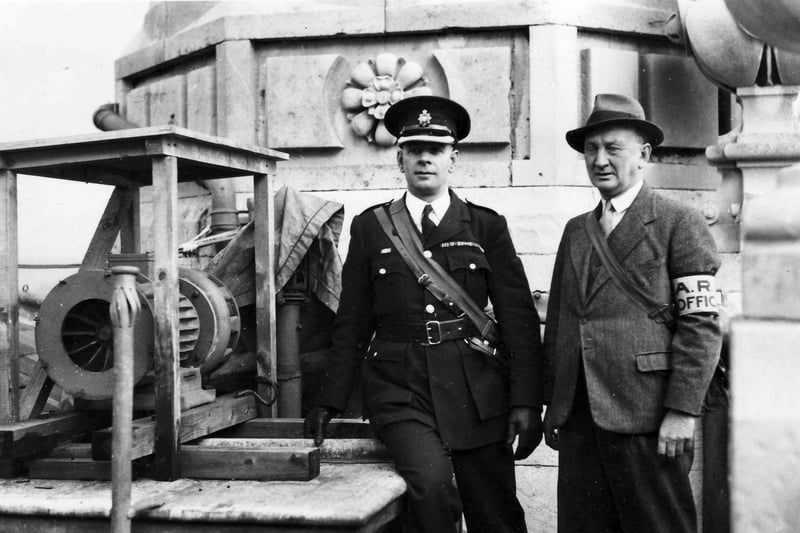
{"x":391,"y":281}
{"x":471,"y":269}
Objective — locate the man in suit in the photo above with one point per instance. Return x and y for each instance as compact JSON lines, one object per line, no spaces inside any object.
{"x":441,"y":407}
{"x":625,"y":389}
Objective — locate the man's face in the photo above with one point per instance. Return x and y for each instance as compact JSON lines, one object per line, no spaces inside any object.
{"x":615,"y":159}
{"x":426,"y":167}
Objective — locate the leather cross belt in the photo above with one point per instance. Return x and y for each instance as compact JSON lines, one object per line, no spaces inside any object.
{"x":428,"y":333}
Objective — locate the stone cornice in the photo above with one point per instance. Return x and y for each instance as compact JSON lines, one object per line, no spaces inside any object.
{"x":231,"y":21}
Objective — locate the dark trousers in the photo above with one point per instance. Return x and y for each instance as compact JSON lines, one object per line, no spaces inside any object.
{"x":484,"y":487}
{"x":612,"y":482}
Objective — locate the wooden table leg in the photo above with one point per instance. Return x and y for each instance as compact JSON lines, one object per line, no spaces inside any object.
{"x":9,"y":299}
{"x":165,"y":315}
{"x":266,"y":329}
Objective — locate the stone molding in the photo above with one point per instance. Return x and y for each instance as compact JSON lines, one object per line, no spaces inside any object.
{"x":231,"y":21}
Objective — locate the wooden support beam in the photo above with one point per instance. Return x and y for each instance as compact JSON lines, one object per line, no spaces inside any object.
{"x":165,"y":315}
{"x":9,"y":299}
{"x":266,"y":328}
{"x":263,"y":464}
{"x":292,"y":428}
{"x":34,"y":395}
{"x":224,"y":412}
{"x":29,"y":437}
{"x":331,"y":451}
{"x":116,"y":215}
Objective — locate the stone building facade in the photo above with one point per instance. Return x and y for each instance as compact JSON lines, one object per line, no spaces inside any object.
{"x":311,"y":78}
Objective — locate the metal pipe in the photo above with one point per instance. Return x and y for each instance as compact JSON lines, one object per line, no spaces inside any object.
{"x":124,"y":310}
{"x":223,"y":214}
{"x":287,"y":341}
{"x":107,"y":118}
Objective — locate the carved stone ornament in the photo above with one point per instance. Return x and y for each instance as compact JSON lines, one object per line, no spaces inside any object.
{"x":373,"y":87}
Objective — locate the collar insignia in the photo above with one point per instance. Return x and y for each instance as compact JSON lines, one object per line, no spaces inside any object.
{"x":424,"y":118}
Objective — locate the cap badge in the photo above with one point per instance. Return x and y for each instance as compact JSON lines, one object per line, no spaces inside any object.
{"x":424,"y":118}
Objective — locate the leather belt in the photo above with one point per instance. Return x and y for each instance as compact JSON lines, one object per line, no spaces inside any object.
{"x":428,"y":333}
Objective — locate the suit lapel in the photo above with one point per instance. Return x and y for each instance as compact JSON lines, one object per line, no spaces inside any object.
{"x":628,"y":234}
{"x":581,"y":254}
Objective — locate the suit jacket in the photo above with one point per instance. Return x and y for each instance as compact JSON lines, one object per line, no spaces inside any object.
{"x":468,"y":393}
{"x":635,"y":368}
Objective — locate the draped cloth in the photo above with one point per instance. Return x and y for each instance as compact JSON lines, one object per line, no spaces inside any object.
{"x":304,"y":225}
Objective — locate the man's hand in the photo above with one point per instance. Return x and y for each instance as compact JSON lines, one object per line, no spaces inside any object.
{"x":316,"y":423}
{"x":527,"y":423}
{"x":550,"y":432}
{"x":676,"y":434}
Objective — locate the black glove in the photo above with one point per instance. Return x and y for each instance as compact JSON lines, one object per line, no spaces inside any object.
{"x":316,"y":423}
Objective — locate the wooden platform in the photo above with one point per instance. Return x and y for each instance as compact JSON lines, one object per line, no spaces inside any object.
{"x":345,"y":497}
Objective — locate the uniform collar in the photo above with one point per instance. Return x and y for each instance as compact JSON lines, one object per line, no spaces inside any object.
{"x":415,"y":207}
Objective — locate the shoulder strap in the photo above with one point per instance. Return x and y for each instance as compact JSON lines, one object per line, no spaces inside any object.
{"x":658,"y":311}
{"x":431,"y":275}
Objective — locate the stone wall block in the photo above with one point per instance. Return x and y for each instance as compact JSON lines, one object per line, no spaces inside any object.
{"x":682,"y":176}
{"x":766,"y":425}
{"x":604,"y":70}
{"x":201,"y":101}
{"x":137,"y":106}
{"x":771,"y":280}
{"x":298,"y":114}
{"x":168,"y":101}
{"x":235,"y":91}
{"x":480,"y":80}
{"x":554,"y":104}
{"x":677,"y":97}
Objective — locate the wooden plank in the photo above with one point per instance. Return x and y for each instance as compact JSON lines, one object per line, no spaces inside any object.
{"x":69,"y":468}
{"x":9,"y":299}
{"x":266,"y":328}
{"x":11,"y":468}
{"x":29,"y":437}
{"x":165,"y":316}
{"x":189,"y":399}
{"x":72,"y":450}
{"x":292,"y":428}
{"x":331,"y":451}
{"x":262,"y":464}
{"x":224,"y":412}
{"x":34,"y":395}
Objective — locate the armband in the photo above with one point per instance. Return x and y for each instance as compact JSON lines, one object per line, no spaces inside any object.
{"x":695,"y":294}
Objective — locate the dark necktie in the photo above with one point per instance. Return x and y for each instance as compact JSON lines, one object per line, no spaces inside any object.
{"x":427,"y":224}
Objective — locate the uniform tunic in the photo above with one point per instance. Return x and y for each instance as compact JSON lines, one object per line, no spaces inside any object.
{"x":462,"y":393}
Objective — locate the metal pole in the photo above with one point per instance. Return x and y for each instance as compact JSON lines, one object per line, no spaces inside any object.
{"x":124,"y":310}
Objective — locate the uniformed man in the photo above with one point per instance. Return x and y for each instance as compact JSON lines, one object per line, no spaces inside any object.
{"x":440,"y":407}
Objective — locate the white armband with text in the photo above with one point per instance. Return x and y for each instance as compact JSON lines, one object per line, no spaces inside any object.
{"x":695,"y":294}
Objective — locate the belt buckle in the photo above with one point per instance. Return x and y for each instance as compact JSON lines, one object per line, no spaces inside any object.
{"x":438,"y":332}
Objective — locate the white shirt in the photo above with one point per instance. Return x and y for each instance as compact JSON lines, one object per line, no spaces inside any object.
{"x":415,"y":207}
{"x":621,"y":203}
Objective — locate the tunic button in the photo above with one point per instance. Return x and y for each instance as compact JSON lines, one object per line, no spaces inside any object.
{"x":472,"y":266}
{"x":427,"y":253}
{"x":382,"y":271}
{"x":429,"y":308}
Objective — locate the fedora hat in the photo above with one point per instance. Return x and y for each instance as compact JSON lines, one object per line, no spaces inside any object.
{"x":427,"y":119}
{"x":616,"y":110}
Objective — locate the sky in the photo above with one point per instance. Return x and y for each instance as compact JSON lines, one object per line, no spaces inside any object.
{"x":56,"y":69}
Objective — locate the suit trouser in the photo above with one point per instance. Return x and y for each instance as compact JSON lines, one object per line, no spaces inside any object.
{"x":486,"y":488}
{"x":615,"y":482}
